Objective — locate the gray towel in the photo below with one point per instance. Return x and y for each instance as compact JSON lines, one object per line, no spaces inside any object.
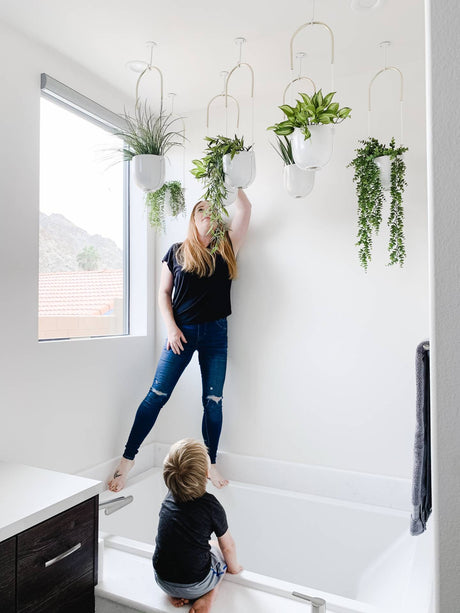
{"x":421,"y":479}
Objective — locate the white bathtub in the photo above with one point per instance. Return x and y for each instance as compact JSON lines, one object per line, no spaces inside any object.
{"x":358,"y":556}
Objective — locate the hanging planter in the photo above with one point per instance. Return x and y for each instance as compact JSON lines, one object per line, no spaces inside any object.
{"x":384,"y":165}
{"x":311,"y":122}
{"x":230,"y":197}
{"x":315,"y":152}
{"x":168,"y":200}
{"x":219,"y":192}
{"x":297,"y":182}
{"x":147,"y":138}
{"x":371,"y":158}
{"x":148,"y":171}
{"x":239,"y":168}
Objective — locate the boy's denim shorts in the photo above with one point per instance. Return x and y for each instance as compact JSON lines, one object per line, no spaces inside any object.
{"x":196,"y":590}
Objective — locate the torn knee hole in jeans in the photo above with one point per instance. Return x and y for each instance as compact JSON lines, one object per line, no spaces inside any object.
{"x":157,"y":392}
{"x":214,"y":398}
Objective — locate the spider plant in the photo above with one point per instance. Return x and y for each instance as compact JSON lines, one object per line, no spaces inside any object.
{"x":283,"y":148}
{"x":149,"y":133}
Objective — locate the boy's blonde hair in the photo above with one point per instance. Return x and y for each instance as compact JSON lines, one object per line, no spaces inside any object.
{"x":185,"y":470}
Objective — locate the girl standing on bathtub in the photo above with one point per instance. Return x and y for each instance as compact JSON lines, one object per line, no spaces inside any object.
{"x":194,"y":301}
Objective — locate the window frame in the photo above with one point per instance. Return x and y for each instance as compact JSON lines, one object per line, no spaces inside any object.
{"x":97,"y":114}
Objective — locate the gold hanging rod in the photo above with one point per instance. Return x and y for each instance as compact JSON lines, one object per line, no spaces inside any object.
{"x":219,"y":96}
{"x":230,"y":74}
{"x":293,"y":81}
{"x":302,"y":27}
{"x":379,"y":73}
{"x":150,"y":67}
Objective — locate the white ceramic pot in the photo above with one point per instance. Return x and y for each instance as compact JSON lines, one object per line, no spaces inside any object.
{"x":316,"y":151}
{"x":149,"y":171}
{"x":241,"y":170}
{"x":298,"y":182}
{"x":167,"y":205}
{"x":231,"y":196}
{"x":384,"y":164}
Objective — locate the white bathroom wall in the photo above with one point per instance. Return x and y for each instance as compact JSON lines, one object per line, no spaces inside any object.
{"x":321,"y":354}
{"x":443,"y":24}
{"x":60,"y":402}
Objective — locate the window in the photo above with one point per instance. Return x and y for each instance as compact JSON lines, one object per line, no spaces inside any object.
{"x":83,"y":273}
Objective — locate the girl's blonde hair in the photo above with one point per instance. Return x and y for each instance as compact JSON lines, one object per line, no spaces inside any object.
{"x":185,"y":470}
{"x":194,"y":257}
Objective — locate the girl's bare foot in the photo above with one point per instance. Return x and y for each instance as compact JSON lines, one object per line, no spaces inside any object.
{"x":203,"y":604}
{"x":216,"y":478}
{"x":118,"y":481}
{"x":177,"y":602}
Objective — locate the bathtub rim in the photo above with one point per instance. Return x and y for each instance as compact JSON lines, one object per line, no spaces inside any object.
{"x":249,"y":579}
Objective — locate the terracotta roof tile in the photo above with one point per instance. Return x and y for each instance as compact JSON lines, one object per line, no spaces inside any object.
{"x":79,"y":292}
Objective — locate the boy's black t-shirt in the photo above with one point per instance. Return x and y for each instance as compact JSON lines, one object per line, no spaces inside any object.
{"x":182,"y":552}
{"x":199,"y":299}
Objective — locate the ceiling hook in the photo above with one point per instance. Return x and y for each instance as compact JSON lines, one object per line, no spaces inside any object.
{"x":240,"y":40}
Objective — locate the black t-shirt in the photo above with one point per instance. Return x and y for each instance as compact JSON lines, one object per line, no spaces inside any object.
{"x":182,"y":552}
{"x":199,"y":299}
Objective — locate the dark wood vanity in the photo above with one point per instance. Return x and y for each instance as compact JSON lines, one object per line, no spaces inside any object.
{"x":48,"y":557}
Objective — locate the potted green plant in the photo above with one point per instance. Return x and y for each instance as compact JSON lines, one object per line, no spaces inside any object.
{"x":367,"y":166}
{"x":311,"y":123}
{"x":297,"y":182}
{"x":210,"y":169}
{"x":147,"y":138}
{"x":169,"y":199}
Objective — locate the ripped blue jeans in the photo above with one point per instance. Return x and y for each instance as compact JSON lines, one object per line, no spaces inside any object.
{"x":210,"y":340}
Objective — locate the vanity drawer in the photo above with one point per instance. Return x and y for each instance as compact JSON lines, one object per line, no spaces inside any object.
{"x":53,"y":555}
{"x":8,"y":575}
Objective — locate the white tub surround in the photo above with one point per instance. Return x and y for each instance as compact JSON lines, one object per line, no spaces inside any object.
{"x":31,"y":495}
{"x":128,"y":580}
{"x":351,"y":486}
{"x":345,"y":552}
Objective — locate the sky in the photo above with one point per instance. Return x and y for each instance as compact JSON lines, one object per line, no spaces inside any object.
{"x":78,"y":177}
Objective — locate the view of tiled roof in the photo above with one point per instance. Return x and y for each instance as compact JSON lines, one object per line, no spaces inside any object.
{"x":79,"y":293}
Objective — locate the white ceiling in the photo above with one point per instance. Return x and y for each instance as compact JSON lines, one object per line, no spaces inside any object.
{"x":196,"y":39}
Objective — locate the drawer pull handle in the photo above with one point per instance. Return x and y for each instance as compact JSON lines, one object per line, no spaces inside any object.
{"x":63,"y":555}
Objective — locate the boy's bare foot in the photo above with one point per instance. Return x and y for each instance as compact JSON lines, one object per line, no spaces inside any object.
{"x":118,"y":481}
{"x":216,"y":478}
{"x":177,"y":602}
{"x":203,"y":604}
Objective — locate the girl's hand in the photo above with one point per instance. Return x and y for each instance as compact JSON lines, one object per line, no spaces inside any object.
{"x":235,"y":570}
{"x":175,"y":340}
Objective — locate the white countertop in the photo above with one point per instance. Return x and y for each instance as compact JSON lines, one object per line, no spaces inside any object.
{"x":30,"y":495}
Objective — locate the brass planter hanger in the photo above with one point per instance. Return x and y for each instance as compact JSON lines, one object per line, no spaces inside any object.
{"x":144,"y":68}
{"x":172,"y":96}
{"x":300,"y":55}
{"x":384,"y":45}
{"x":240,"y":41}
{"x":312,"y":22}
{"x":224,"y":74}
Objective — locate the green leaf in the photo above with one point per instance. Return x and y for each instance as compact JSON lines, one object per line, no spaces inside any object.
{"x":306,"y":99}
{"x":328,"y":98}
{"x":287,"y":110}
{"x":343,"y":113}
{"x":333,"y":108}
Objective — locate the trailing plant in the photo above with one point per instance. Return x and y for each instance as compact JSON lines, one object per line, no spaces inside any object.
{"x":149,"y":133}
{"x":371,"y":198}
{"x":283,"y":148}
{"x":309,"y":111}
{"x":210,"y":170}
{"x":172,"y":193}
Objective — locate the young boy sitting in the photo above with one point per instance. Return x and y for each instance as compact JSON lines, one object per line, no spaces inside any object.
{"x":187,"y":566}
